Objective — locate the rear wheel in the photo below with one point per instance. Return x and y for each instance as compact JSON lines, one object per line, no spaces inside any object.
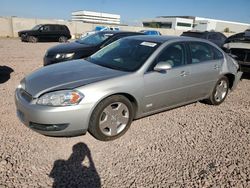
{"x":220,"y":91}
{"x":111,"y":118}
{"x":63,"y":39}
{"x":32,"y":39}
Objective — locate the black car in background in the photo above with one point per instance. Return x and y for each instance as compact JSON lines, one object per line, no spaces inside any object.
{"x":46,"y":32}
{"x":214,"y":37}
{"x":239,"y":46}
{"x":84,"y":47}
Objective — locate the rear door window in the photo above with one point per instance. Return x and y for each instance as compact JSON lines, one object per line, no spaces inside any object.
{"x":200,"y":52}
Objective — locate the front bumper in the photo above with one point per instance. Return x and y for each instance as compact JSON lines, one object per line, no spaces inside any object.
{"x":69,"y":120}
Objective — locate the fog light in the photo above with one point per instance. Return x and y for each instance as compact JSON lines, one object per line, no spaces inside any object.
{"x":48,"y":127}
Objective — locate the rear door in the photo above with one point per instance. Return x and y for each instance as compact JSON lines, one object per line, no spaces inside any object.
{"x":205,"y":63}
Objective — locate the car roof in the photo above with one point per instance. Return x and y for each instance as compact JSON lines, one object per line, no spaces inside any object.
{"x":156,"y":38}
{"x":53,"y":24}
{"x":119,"y":32}
{"x":162,"y":39}
{"x":201,"y":32}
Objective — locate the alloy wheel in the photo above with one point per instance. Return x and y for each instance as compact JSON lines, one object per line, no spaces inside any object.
{"x":114,"y":119}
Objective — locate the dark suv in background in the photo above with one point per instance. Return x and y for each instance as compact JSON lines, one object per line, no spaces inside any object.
{"x":46,"y":32}
{"x":84,"y":47}
{"x":214,"y":37}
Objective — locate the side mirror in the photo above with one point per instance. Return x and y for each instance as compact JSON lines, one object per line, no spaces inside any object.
{"x":162,"y":66}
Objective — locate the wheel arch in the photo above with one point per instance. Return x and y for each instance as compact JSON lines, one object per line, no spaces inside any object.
{"x":231,"y":79}
{"x":130,"y":97}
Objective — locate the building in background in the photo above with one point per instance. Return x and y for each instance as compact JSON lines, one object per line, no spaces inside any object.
{"x":186,"y":23}
{"x":96,"y":17}
{"x":206,"y":24}
{"x":170,"y":22}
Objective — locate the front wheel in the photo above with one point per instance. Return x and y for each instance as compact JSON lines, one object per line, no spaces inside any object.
{"x":111,"y":118}
{"x":220,"y":91}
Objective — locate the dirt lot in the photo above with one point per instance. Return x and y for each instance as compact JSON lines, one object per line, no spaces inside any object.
{"x":193,"y":146}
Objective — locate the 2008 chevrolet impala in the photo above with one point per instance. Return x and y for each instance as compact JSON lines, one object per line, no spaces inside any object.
{"x":128,"y":79}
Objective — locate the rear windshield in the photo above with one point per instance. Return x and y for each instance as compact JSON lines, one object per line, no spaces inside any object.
{"x":240,"y":37}
{"x":192,"y":34}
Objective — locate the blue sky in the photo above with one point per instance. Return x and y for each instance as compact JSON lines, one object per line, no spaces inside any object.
{"x":131,"y":11}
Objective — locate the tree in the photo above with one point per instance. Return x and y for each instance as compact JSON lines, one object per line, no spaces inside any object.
{"x":226,"y":30}
{"x":154,"y":25}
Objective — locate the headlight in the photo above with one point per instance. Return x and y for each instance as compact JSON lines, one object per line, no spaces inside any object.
{"x":22,"y":84}
{"x":64,"y":56}
{"x":60,"y":98}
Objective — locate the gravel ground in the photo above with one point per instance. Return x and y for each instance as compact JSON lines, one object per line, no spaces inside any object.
{"x":193,"y":146}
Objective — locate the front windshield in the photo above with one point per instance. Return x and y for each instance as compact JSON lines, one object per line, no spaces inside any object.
{"x":125,"y":54}
{"x":94,"y":39}
{"x":36,"y":27}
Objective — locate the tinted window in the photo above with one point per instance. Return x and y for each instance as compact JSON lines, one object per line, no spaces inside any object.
{"x":54,"y":28}
{"x":200,"y":52}
{"x":94,"y":39}
{"x":46,"y":28}
{"x":193,"y":34}
{"x":173,"y":54}
{"x":36,"y":27}
{"x":62,"y":28}
{"x":214,"y":37}
{"x":125,"y":54}
{"x":184,"y":24}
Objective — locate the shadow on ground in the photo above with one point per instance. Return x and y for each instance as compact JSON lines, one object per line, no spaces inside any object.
{"x":246,"y":76}
{"x":73,"y":173}
{"x":5,"y":72}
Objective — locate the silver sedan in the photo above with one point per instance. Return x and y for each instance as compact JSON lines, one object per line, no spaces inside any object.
{"x":128,"y":79}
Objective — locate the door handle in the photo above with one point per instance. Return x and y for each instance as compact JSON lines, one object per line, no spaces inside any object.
{"x":184,"y":73}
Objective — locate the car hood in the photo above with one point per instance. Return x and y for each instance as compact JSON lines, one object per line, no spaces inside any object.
{"x":68,"y":48}
{"x":24,"y":31}
{"x":67,"y":75}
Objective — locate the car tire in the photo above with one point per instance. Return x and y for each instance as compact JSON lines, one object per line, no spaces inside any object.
{"x":220,"y":91}
{"x":63,"y":39}
{"x":111,"y":118}
{"x":23,"y":38}
{"x":32,"y":39}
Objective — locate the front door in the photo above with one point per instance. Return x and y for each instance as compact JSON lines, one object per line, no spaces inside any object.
{"x":168,"y":88}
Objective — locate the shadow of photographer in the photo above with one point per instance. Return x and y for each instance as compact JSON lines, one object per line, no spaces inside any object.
{"x":73,"y":173}
{"x":5,"y":72}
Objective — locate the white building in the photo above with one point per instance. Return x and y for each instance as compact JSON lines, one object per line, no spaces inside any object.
{"x":169,"y":22}
{"x":207,"y":24}
{"x":195,"y":23}
{"x":96,"y":17}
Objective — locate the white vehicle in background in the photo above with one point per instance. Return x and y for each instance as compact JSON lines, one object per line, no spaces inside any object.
{"x":101,"y":28}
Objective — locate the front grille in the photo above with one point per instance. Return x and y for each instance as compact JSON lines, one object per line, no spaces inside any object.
{"x":25,"y":95}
